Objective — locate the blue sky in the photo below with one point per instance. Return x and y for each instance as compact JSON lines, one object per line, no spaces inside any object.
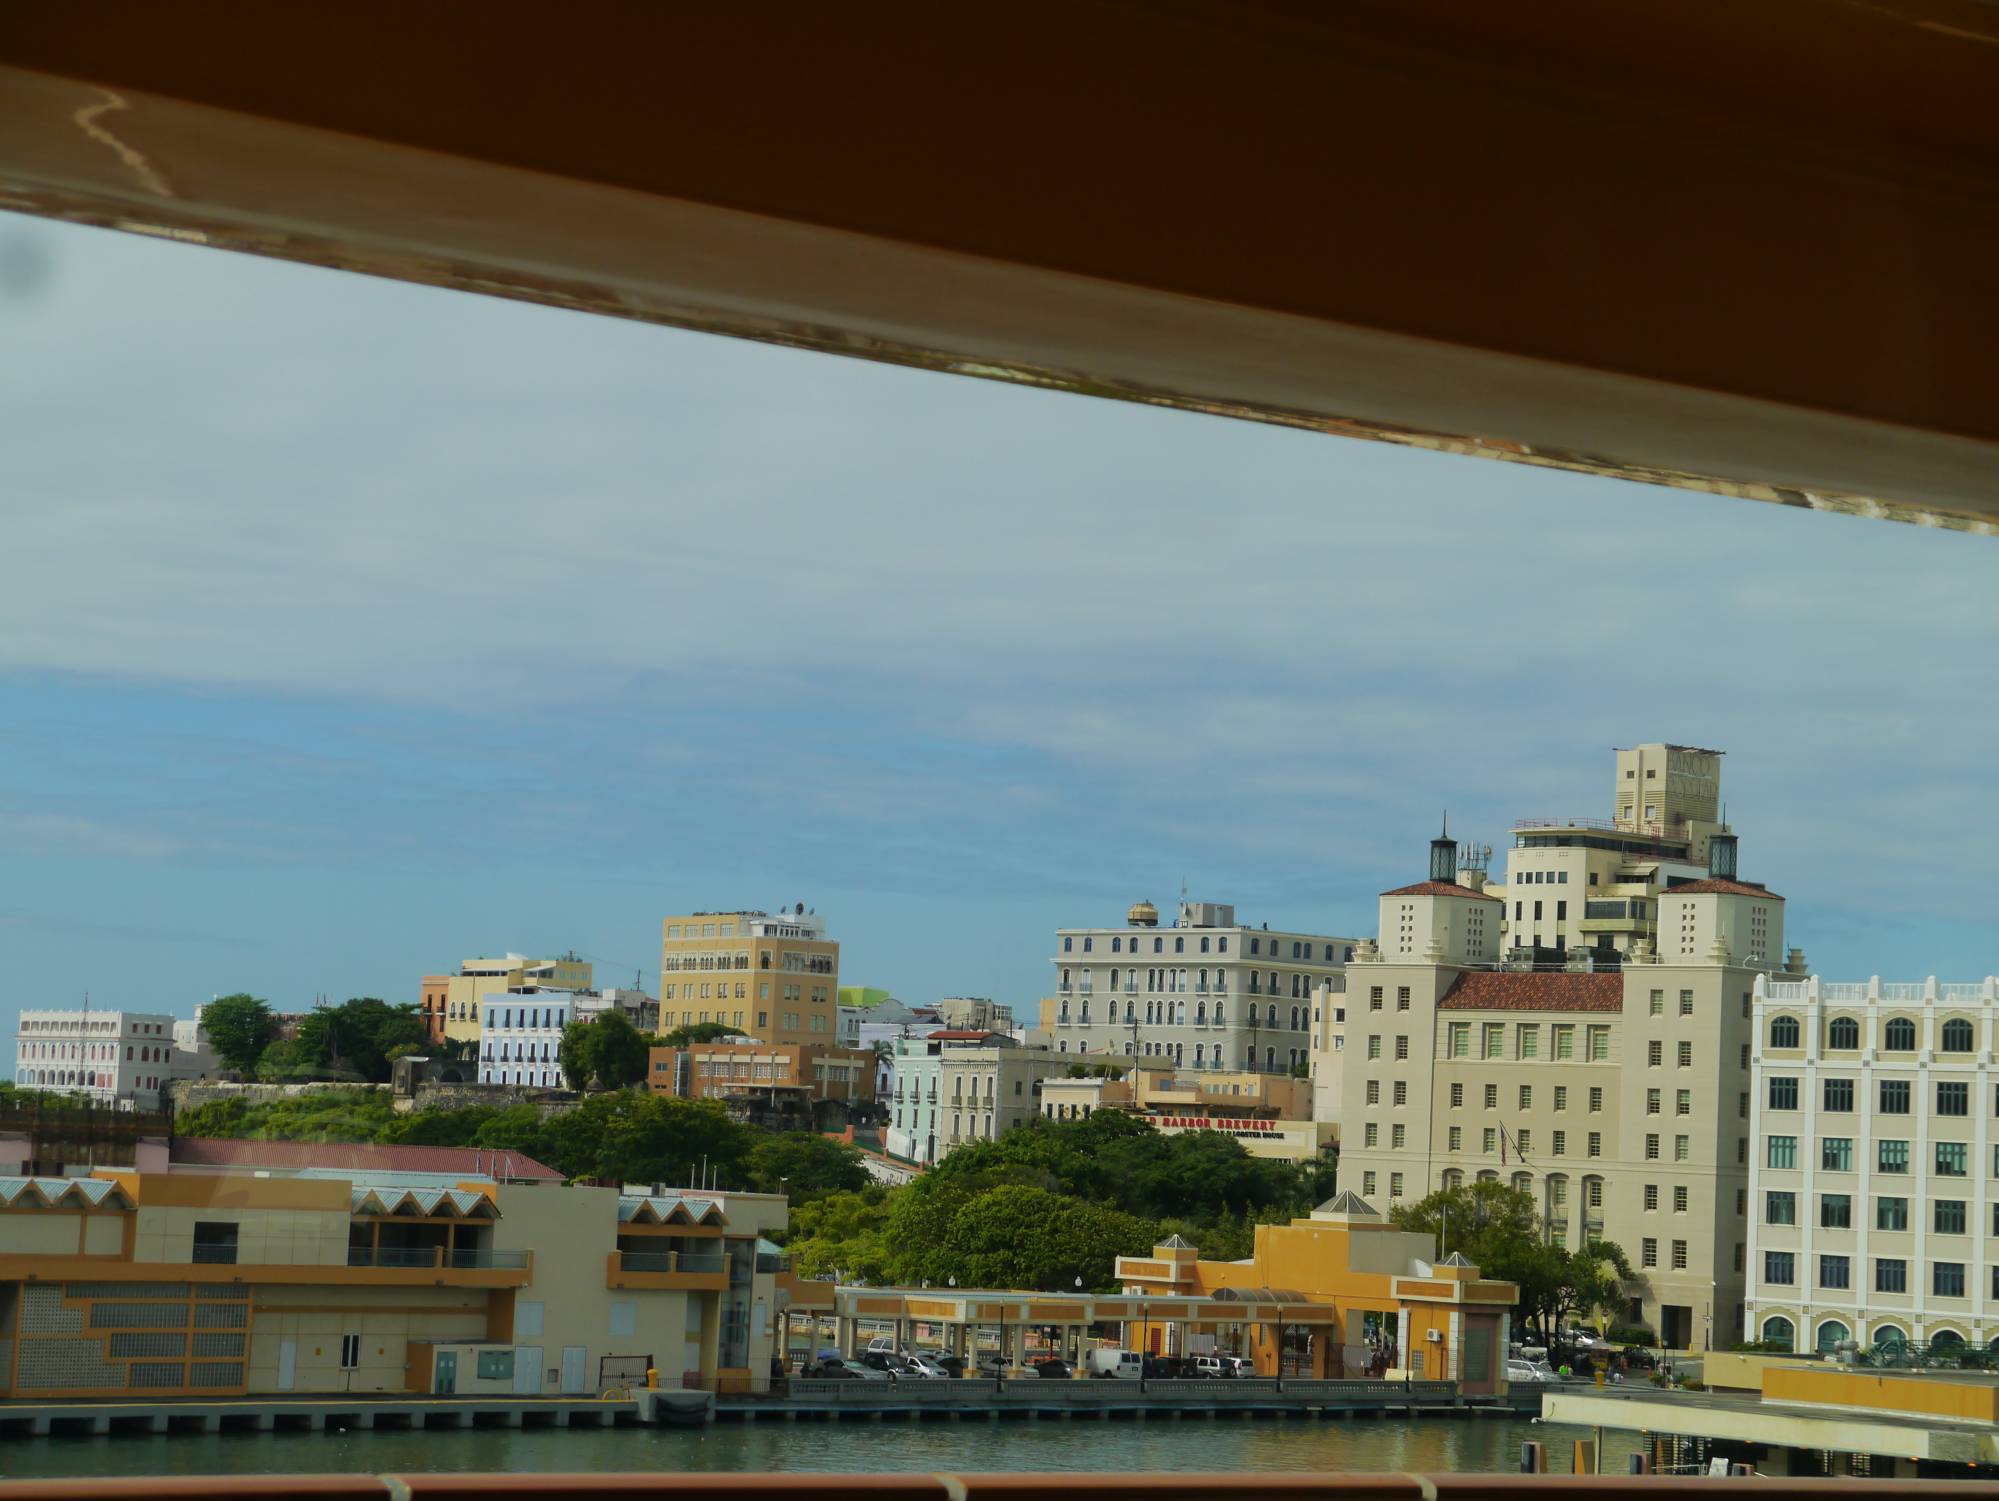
{"x":353,"y":628}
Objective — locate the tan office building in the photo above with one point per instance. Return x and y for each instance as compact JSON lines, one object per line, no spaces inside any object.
{"x":800,"y":1073}
{"x":1874,"y":1173}
{"x":776,"y":979}
{"x":1618,"y":1098}
{"x":1583,"y":882}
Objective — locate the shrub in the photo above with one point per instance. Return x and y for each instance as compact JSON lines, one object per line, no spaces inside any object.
{"x":1630,"y":1334}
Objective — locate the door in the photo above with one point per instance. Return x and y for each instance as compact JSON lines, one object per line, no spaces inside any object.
{"x":287,"y":1364}
{"x":527,"y":1371}
{"x":445,"y":1378}
{"x":573,"y":1372}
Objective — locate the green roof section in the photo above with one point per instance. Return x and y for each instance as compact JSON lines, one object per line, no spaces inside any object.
{"x":862,"y":995}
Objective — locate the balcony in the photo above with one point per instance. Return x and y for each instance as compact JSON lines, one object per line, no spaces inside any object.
{"x":435,"y":1258}
{"x":685,"y":1271}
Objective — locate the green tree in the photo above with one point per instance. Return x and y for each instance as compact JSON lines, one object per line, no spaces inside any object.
{"x":1022,"y":1237}
{"x":577,"y":1055}
{"x":842,"y":1234}
{"x":805,"y":1166}
{"x":239,"y":1028}
{"x":620,"y":1051}
{"x":695,"y":1035}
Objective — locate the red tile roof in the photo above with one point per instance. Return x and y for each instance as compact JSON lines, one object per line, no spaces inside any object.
{"x":1498,"y":990}
{"x":1711,"y":886}
{"x":1441,"y":888}
{"x":359,"y":1157}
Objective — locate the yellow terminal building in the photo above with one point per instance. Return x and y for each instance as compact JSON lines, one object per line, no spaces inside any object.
{"x":226,"y":1283}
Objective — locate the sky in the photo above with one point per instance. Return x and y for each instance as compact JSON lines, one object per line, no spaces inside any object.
{"x":350,"y":629}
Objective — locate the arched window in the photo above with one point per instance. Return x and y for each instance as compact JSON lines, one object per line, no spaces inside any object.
{"x":1455,"y":1178}
{"x":1270,"y":1060}
{"x":1294,"y":1018}
{"x":1784,"y":1032}
{"x":1889,"y":1337}
{"x":1946,"y":1342}
{"x":1900,"y":1036}
{"x":1252,"y":1013}
{"x":1779,"y":1332}
{"x":1220,"y":1017}
{"x":1201,"y":1014}
{"x":1831,"y":1332}
{"x":1956,"y":1039}
{"x":1844,"y":1033}
{"x":1199,"y":1052}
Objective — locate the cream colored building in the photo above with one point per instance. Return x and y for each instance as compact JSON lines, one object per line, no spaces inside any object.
{"x":451,"y":1003}
{"x":1329,"y":1025}
{"x":221,"y":1284}
{"x":1206,"y":993}
{"x":1618,"y":1098}
{"x":1269,"y":1114}
{"x":1595,"y":882}
{"x":776,"y":979}
{"x":1874,"y":1174}
{"x":956,"y":1087}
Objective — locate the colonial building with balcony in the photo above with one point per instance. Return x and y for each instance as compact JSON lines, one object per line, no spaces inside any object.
{"x":957,"y":1087}
{"x":1206,"y":993}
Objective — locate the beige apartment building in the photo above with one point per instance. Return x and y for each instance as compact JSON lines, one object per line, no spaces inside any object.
{"x":1595,"y":883}
{"x":1208,"y":992}
{"x":956,"y":1087}
{"x":450,"y":1004}
{"x":1874,"y":1174}
{"x":1269,"y":1114}
{"x":1618,"y":1097}
{"x":776,"y":979}
{"x":797,"y":1073}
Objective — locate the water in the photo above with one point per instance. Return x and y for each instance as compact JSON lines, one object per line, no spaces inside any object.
{"x":1189,"y":1444}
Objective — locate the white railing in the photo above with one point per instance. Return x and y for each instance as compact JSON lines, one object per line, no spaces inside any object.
{"x":1901,"y":994}
{"x":1787,"y":990}
{"x":1846,"y":992}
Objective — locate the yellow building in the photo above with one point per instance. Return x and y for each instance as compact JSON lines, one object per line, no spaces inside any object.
{"x":221,"y":1284}
{"x":454,"y":999}
{"x":1394,"y":1309}
{"x":776,"y":979}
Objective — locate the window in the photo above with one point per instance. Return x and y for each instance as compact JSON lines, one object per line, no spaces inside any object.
{"x":1492,"y":1096}
{"x":1394,"y":1185}
{"x":1373,"y":1046}
{"x":1374,"y":1091}
{"x":1655,"y":1053}
{"x":1784,"y":1032}
{"x":1491,"y":1140}
{"x":1457,"y":1096}
{"x":1952,"y":1159}
{"x":1599,"y":1044}
{"x":1836,"y":1154}
{"x":1679,"y":1256}
{"x":1530,"y":1042}
{"x":1892,"y":1157}
{"x":1954,"y":1098}
{"x":1565,"y":1043}
{"x":1891,"y":1274}
{"x":1492,"y":1044}
{"x":1526,"y":1097}
{"x":1371,"y":1135}
{"x":1780,"y":1208}
{"x":1679,"y":1198}
{"x":1779,"y":1268}
{"x":1651,"y":1196}
{"x":1652,"y":1098}
{"x":1402,"y":998}
{"x":1401,"y":1091}
{"x":1460,"y":1040}
{"x":1373,"y":997}
{"x":1899,"y":1036}
{"x":1686,"y":1055}
{"x":1402,"y":1048}
{"x":350,"y":1352}
{"x":1367,"y":1185}
{"x":1843,"y":1034}
{"x":1894,"y":1096}
{"x":215,"y":1242}
{"x":1648,"y":1252}
{"x":1596,"y":1143}
{"x":1835,"y":1211}
{"x":1947,"y":1216}
{"x":1561,"y":1097}
{"x":1457,"y":1138}
{"x":1652,"y":1146}
{"x":1891,"y":1214}
{"x":1947,"y":1279}
{"x":1686,"y":1003}
{"x":1656,"y":1004}
{"x":1595,"y":1099}
{"x":1956,"y":1036}
{"x":1783,"y":1152}
{"x":1837,"y":1095}
{"x":1683,"y":1102}
{"x":1561,"y":1143}
{"x":1835,"y":1272}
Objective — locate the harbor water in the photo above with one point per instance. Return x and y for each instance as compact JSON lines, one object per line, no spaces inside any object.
{"x":1437,"y":1444}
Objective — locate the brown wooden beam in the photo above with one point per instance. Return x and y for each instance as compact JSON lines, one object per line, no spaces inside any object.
{"x":1741,"y":248}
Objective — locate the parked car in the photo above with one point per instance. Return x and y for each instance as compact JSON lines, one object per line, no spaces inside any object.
{"x":932,"y":1366}
{"x":1053,"y":1367}
{"x":950,"y":1365}
{"x":1217,"y":1366}
{"x":1126,"y":1365}
{"x":892,"y":1365}
{"x":840,"y":1370}
{"x":1527,"y":1372}
{"x":882,"y":1344}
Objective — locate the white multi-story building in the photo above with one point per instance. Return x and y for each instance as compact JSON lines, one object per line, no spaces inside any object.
{"x":957,"y":1087}
{"x":1329,"y":1025}
{"x":638,"y":1008}
{"x":520,"y":1036}
{"x":1874,"y":1171}
{"x":124,"y":1058}
{"x":1206,"y":993}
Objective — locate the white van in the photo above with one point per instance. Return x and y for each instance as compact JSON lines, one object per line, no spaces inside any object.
{"x":1124,"y":1365}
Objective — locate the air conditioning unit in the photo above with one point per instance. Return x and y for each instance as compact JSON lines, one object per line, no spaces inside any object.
{"x":1435,"y":1336}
